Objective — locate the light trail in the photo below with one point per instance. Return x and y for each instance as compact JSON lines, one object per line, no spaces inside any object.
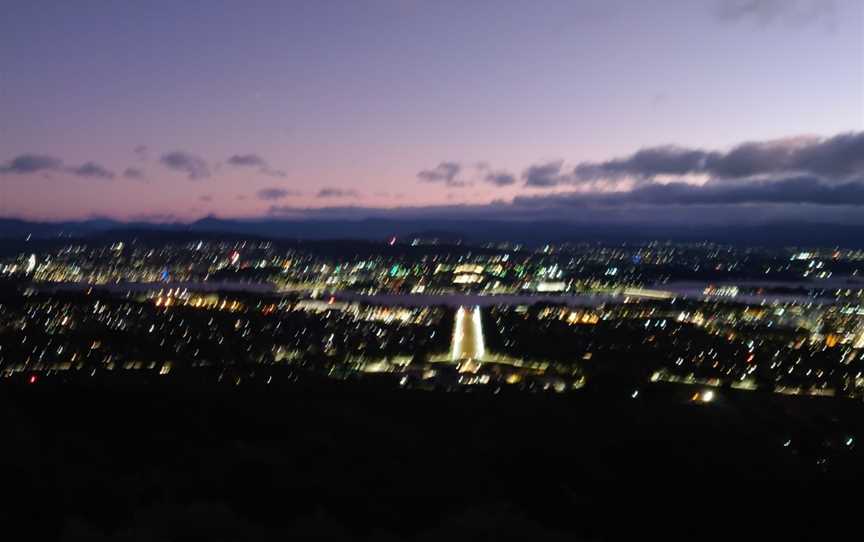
{"x":468,"y":342}
{"x":458,"y":334}
{"x":479,"y":342}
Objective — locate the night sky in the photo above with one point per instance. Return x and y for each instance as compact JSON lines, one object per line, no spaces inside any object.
{"x":680,"y":110}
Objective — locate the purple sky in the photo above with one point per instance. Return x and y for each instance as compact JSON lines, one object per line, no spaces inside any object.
{"x":180,"y":109}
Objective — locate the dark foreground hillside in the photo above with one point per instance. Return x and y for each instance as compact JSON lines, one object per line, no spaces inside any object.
{"x":187,"y":458}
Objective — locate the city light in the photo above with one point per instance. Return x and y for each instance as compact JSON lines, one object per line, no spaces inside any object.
{"x":479,"y":342}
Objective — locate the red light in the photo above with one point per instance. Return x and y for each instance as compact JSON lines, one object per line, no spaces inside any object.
{"x":31,"y":379}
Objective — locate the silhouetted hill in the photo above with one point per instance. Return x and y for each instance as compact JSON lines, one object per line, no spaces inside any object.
{"x":188,"y":457}
{"x":451,"y":231}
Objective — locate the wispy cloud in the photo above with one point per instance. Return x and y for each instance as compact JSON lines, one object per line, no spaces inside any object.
{"x":330,"y":192}
{"x":456,"y":175}
{"x":764,"y":12}
{"x":500,"y":178}
{"x":271,"y":194}
{"x":28,"y":164}
{"x":246,"y":160}
{"x":25,"y":164}
{"x":184,"y":162}
{"x":91,"y":169}
{"x":445,"y":172}
{"x":133,"y":173}
{"x":545,"y":175}
{"x":253,"y":160}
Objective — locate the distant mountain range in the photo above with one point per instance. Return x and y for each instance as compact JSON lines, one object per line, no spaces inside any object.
{"x":448,"y":231}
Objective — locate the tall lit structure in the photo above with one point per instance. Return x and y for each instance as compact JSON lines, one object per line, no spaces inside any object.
{"x":468,"y":342}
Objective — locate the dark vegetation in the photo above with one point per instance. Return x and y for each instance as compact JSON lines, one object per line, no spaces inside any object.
{"x":135,"y":457}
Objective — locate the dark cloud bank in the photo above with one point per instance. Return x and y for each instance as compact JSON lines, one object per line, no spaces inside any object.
{"x":803,"y":177}
{"x":838,"y":157}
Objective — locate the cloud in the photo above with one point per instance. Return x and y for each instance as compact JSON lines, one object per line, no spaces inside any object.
{"x":270,"y":194}
{"x":545,"y":175}
{"x":839,"y":157}
{"x":133,"y":173}
{"x":792,"y":190}
{"x":761,"y":10}
{"x":27,"y":164}
{"x":500,"y":179}
{"x":336,"y":193}
{"x":184,"y":162}
{"x":142,"y":151}
{"x":666,"y":160}
{"x":246,"y":160}
{"x":445,"y":172}
{"x":769,"y":11}
{"x":814,"y":178}
{"x":91,"y":169}
{"x":655,"y":203}
{"x":30,"y":163}
{"x":673,"y":203}
{"x":253,"y":160}
{"x":659,"y":99}
{"x":449,"y":173}
{"x":205,"y":198}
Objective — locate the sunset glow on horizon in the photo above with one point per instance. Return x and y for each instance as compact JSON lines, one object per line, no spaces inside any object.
{"x":167,"y":111}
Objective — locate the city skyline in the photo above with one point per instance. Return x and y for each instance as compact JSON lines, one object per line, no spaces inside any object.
{"x":365,"y":270}
{"x":403,"y":109}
